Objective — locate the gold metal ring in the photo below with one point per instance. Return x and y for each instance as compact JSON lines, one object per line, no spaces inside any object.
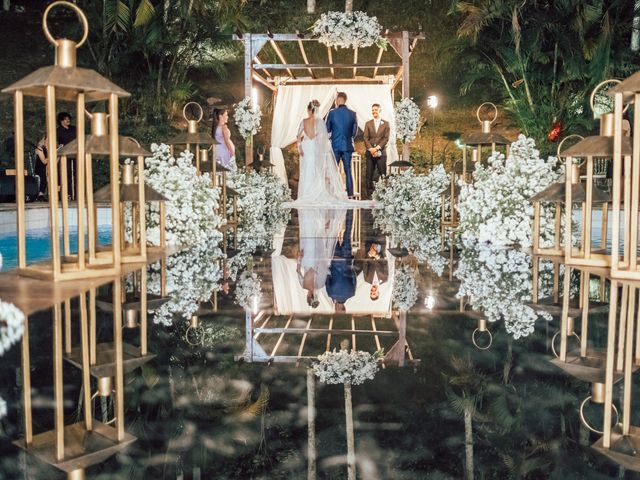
{"x":134,"y":141}
{"x":584,"y":420}
{"x":553,"y":341}
{"x":199,"y":332}
{"x":81,"y":16}
{"x":473,"y":339}
{"x":495,"y":109}
{"x":592,"y":98}
{"x":564,"y":140}
{"x":184,"y":111}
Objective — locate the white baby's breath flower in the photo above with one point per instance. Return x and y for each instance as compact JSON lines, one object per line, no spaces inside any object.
{"x":347,"y":367}
{"x":348,"y":30}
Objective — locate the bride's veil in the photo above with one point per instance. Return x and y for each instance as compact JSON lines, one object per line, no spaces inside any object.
{"x":326,"y":166}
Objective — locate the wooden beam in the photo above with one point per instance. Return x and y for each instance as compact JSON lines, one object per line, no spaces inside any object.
{"x":293,"y":37}
{"x":331,"y":66}
{"x":263,"y":81}
{"x":304,"y":56}
{"x":335,"y":81}
{"x":405,"y":82}
{"x":355,"y":61}
{"x":280,"y":55}
{"x":248,"y":86}
{"x":330,"y":55}
{"x":380,"y":52}
{"x":256,"y":59}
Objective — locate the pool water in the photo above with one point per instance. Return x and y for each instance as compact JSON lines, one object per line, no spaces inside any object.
{"x":39,"y":245}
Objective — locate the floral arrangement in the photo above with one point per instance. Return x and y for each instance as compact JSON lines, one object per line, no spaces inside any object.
{"x":498,"y":282}
{"x":405,"y":288}
{"x":602,"y":103}
{"x":348,"y":30}
{"x":411,"y":205}
{"x":352,"y":367}
{"x":407,"y":118}
{"x":11,"y":325}
{"x":248,"y":290}
{"x":260,"y":212}
{"x":192,"y":277}
{"x":192,"y":200}
{"x":247,"y":117}
{"x":495,"y":208}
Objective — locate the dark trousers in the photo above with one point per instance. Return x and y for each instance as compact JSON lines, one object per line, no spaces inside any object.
{"x":345,"y":156}
{"x":41,"y":171}
{"x":376,"y":168}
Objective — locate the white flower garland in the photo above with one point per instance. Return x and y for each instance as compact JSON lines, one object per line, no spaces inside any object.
{"x":248,"y":291}
{"x":411,"y":208}
{"x":496,"y":207}
{"x":192,"y":200}
{"x":347,"y":367}
{"x":498,"y":282}
{"x":247,"y":117}
{"x":348,"y":30}
{"x":407,"y":118}
{"x":192,"y":277}
{"x":11,"y":325}
{"x":405,"y":288}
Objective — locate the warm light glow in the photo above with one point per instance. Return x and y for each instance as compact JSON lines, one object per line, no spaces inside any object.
{"x":254,"y":98}
{"x":255,"y":305}
{"x":430,"y":302}
{"x":432,"y":101}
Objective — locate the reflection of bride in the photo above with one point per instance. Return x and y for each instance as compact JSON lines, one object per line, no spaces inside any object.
{"x":319,"y":230}
{"x":320,"y":183}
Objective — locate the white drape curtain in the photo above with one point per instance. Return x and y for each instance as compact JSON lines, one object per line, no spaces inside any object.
{"x":291,"y":108}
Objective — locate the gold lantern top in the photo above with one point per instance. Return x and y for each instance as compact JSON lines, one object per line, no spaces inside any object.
{"x":98,"y":143}
{"x":192,"y":136}
{"x":485,"y":136}
{"x":600,"y":145}
{"x":64,"y":75}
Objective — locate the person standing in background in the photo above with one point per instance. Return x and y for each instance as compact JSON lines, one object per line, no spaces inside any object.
{"x":376,"y":137}
{"x":66,"y":133}
{"x":342,"y":126}
{"x":225,"y":149}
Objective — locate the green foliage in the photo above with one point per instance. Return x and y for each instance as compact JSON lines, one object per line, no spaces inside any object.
{"x":542,"y":59}
{"x":150,"y":46}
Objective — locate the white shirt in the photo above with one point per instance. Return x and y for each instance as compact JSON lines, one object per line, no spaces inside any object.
{"x":376,"y":124}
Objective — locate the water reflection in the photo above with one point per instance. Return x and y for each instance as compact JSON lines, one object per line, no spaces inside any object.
{"x":237,"y":400}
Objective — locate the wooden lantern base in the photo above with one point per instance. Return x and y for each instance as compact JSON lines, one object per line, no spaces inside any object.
{"x":68,"y":271}
{"x":105,"y":365}
{"x":82,"y":448}
{"x":622,"y":448}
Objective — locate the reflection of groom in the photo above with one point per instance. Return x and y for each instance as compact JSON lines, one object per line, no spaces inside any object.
{"x":342,"y":126}
{"x":341,"y":282}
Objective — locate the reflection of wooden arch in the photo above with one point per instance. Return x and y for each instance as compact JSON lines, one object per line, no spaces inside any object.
{"x":271,"y":75}
{"x":264,"y":323}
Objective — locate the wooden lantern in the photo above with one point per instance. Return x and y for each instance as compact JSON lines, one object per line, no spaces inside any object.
{"x":399,"y":166}
{"x":64,"y":81}
{"x":73,"y":448}
{"x":475,"y":144}
{"x":133,"y":197}
{"x":590,"y":148}
{"x":620,"y":441}
{"x":626,"y":187}
{"x":449,"y":198}
{"x":192,"y":140}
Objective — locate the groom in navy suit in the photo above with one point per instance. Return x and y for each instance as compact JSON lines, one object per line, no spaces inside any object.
{"x":341,"y":281}
{"x":342,"y":126}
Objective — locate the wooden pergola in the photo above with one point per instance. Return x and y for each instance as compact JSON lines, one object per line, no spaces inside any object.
{"x":324,"y":71}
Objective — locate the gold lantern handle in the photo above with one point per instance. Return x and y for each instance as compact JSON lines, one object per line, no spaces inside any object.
{"x":184,"y":111}
{"x":475,"y":341}
{"x":81,"y":16}
{"x":573,"y":135}
{"x":495,"y":110}
{"x":592,"y":98}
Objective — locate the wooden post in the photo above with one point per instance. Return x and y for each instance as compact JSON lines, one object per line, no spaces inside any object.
{"x":311,"y":420}
{"x":351,"y":449}
{"x":248,"y":85}
{"x":405,"y":81}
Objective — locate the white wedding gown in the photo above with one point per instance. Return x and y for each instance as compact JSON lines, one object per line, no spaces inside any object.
{"x":320,"y":184}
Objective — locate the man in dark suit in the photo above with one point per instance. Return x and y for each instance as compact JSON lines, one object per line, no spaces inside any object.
{"x":66,"y":133}
{"x":342,"y":126}
{"x":375,"y":268}
{"x":341,"y":281}
{"x":376,"y":137}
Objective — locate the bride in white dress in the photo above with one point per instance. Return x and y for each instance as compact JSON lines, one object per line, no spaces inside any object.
{"x":320,"y":183}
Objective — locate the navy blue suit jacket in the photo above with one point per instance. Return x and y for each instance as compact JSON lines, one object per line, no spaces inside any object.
{"x":341,"y":281}
{"x":342,"y":125}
